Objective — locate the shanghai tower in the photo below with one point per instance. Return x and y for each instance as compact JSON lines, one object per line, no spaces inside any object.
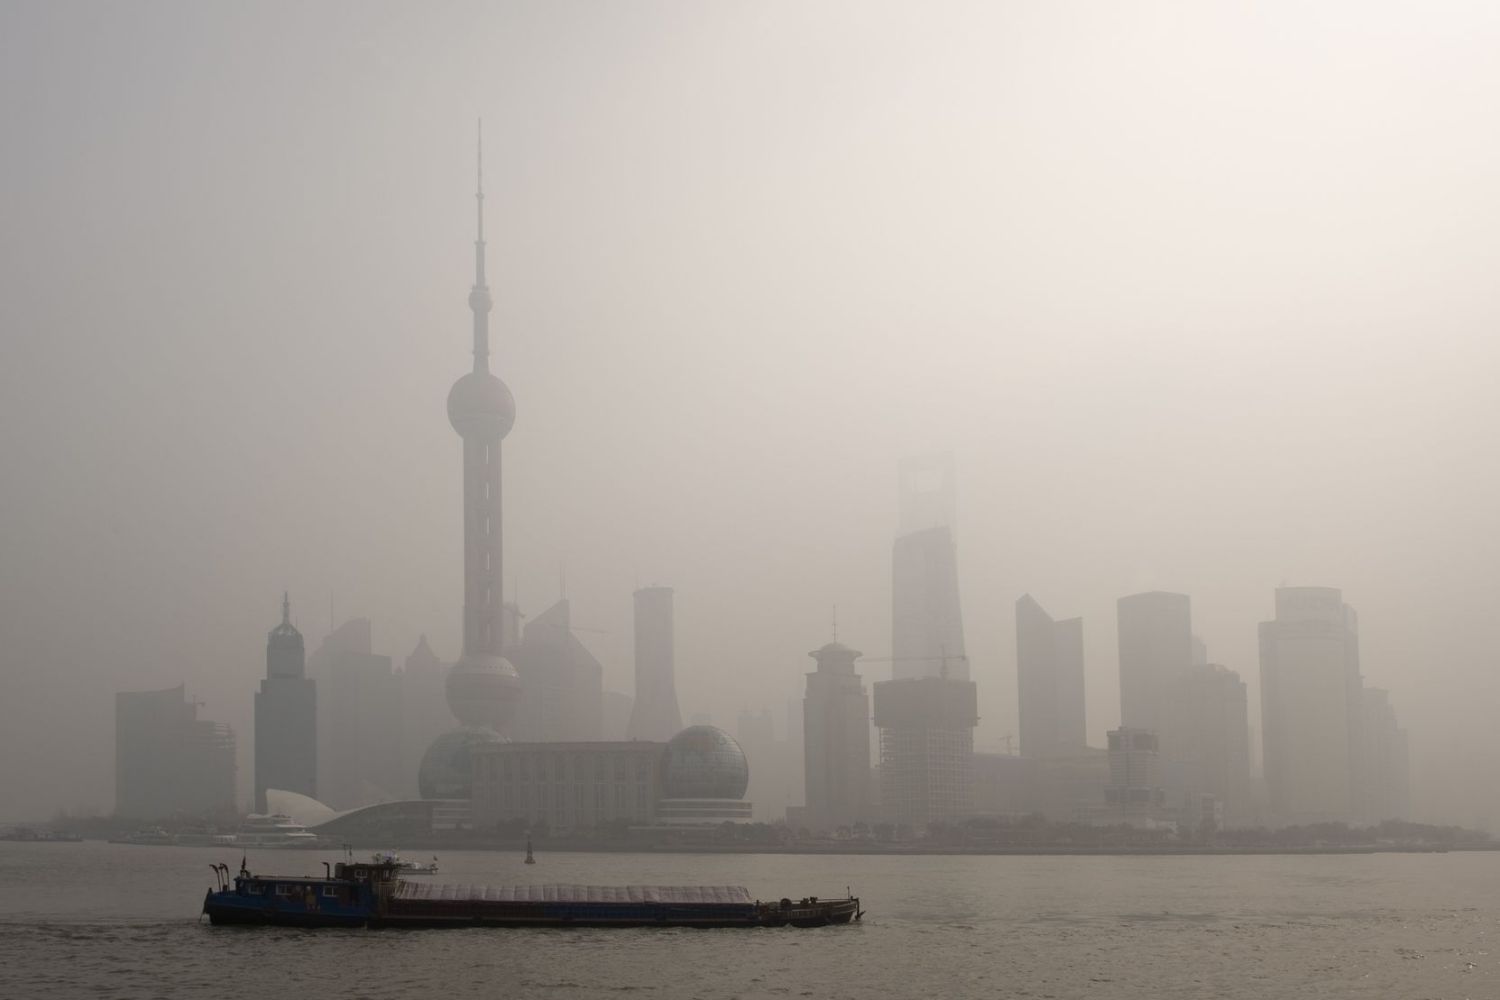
{"x":482,"y":686}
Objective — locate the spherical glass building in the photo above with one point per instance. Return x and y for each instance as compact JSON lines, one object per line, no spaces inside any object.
{"x":703,"y":762}
{"x":447,"y":766}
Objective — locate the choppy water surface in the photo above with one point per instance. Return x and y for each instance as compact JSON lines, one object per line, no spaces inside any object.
{"x":98,"y":920}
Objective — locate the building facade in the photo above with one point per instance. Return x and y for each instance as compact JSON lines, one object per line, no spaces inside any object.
{"x":1388,"y":790}
{"x":286,"y":716}
{"x":168,"y":762}
{"x":836,"y":740}
{"x":1216,"y":730}
{"x":567,"y":785}
{"x":1310,"y":705}
{"x":697,"y":778}
{"x":562,"y":683}
{"x":359,"y":723}
{"x":1049,"y":679}
{"x":926,"y":749}
{"x":1134,"y":792}
{"x":1156,"y":653}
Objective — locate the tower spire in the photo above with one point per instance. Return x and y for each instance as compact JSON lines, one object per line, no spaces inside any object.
{"x":479,"y":281}
{"x":479,"y":295}
{"x":286,"y":608}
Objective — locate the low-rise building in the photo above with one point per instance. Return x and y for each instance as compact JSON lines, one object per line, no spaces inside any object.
{"x":567,"y":785}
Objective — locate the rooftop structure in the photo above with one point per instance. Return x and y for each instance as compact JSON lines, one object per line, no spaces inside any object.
{"x":286,"y":716}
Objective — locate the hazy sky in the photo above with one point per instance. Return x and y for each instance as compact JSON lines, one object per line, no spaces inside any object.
{"x":1201,"y":296}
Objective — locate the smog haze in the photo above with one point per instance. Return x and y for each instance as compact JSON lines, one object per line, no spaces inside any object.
{"x":1200,"y":298}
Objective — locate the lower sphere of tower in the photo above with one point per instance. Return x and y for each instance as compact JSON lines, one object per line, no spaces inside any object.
{"x":447,"y":770}
{"x":483,"y":692}
{"x":480,"y":405}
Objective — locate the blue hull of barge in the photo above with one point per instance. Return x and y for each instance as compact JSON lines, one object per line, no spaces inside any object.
{"x":360,"y":895}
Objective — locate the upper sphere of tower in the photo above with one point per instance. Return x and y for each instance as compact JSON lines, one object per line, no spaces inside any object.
{"x":480,"y":405}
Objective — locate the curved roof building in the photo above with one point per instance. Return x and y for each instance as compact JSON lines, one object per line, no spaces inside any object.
{"x":704,"y":762}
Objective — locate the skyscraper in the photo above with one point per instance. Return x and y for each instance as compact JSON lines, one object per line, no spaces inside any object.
{"x":286,"y":716}
{"x":926,"y":748}
{"x":1309,"y":680}
{"x":562,"y":683}
{"x":359,"y":719}
{"x":169,"y":762}
{"x":1156,"y":652}
{"x":1216,"y":734}
{"x":1134,"y":791}
{"x":1049,"y":676}
{"x":836,"y":740}
{"x":654,"y":715}
{"x":927,"y":629}
{"x":482,"y":686}
{"x":1388,"y":786}
{"x":424,"y":709}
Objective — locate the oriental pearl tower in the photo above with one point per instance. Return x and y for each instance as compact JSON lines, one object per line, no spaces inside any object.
{"x":482,"y":687}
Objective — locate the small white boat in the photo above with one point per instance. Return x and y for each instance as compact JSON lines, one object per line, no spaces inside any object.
{"x":274,"y":830}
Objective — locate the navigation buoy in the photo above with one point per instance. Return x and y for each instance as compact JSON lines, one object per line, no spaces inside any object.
{"x":529,"y":859}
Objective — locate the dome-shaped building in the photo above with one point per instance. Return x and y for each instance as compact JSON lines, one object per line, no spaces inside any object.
{"x":704,"y":775}
{"x":447,"y":770}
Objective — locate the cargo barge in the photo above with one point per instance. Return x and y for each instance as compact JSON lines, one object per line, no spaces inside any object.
{"x":372,"y":894}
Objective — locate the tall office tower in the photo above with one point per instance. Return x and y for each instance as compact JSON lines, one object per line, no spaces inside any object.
{"x":1309,"y":680}
{"x":359,"y":719}
{"x":1156,"y":652}
{"x":1134,"y":792}
{"x":836,"y":740}
{"x":424,"y":709}
{"x":482,"y":685}
{"x":1049,"y":675}
{"x":927,"y":629}
{"x":562,"y":684}
{"x":1216,"y":733}
{"x":1388,"y":794}
{"x":168,"y":762}
{"x":286,"y":716}
{"x":769,"y":789}
{"x":654,"y":715}
{"x":926,"y":748}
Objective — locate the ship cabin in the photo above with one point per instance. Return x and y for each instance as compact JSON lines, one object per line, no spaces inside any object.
{"x":348,"y":892}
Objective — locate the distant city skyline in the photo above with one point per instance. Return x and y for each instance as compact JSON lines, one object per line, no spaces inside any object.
{"x":1198,"y":360}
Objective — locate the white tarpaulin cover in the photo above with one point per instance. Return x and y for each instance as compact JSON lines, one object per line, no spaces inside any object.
{"x":578,"y":893}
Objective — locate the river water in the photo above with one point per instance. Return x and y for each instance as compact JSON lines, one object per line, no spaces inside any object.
{"x":116,"y":921}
